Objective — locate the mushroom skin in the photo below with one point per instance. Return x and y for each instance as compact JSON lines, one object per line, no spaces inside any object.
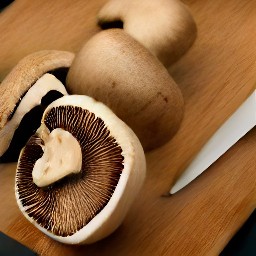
{"x":24,"y":88}
{"x":115,"y":69}
{"x":165,"y":27}
{"x":129,"y":182}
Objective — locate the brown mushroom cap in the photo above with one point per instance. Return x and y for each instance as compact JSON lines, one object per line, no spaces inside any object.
{"x":25,"y":74}
{"x":115,"y":69}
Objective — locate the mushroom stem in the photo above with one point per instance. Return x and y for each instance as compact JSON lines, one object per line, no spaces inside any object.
{"x":56,"y":164}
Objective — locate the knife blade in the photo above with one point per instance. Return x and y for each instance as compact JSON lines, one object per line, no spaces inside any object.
{"x":233,"y":129}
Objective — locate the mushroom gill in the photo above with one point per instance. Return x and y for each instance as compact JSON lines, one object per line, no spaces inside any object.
{"x":64,"y":207}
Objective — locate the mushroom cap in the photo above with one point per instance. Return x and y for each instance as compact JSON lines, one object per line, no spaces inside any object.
{"x":25,"y":74}
{"x":165,"y":27}
{"x":115,"y":69}
{"x":64,"y":206}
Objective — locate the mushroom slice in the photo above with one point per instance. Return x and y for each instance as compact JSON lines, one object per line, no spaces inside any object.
{"x":25,"y":93}
{"x":165,"y":27}
{"x":78,"y":175}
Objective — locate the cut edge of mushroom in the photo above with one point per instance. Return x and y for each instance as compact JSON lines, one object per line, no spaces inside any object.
{"x":56,"y":164}
{"x":129,"y":184}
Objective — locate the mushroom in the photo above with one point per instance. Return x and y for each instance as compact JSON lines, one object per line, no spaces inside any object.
{"x":25,"y":93}
{"x":165,"y":27}
{"x":115,"y":69}
{"x":78,"y":175}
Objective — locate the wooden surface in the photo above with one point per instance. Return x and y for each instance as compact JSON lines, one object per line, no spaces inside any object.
{"x":215,"y":77}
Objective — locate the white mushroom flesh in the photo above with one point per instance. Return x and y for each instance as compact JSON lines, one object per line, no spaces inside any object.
{"x":62,"y":156}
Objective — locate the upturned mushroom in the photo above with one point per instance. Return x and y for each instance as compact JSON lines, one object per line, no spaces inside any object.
{"x":25,"y":93}
{"x":115,"y":69}
{"x":165,"y":27}
{"x":78,"y":175}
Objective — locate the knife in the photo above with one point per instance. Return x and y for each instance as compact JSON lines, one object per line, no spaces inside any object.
{"x":234,"y":128}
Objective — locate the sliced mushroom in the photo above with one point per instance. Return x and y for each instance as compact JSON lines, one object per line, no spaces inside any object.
{"x":87,"y":198}
{"x":25,"y":93}
{"x":115,"y":69}
{"x":165,"y":27}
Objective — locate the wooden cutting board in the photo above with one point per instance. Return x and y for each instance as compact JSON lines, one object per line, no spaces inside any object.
{"x":215,"y":76}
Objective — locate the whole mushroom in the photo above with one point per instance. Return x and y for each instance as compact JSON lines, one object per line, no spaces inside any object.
{"x":28,"y":89}
{"x":165,"y":27}
{"x":115,"y":69}
{"x":78,"y":175}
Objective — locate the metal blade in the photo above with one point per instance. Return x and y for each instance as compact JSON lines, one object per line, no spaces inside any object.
{"x":234,"y":128}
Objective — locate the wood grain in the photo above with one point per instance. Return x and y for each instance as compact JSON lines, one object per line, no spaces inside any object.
{"x":28,"y":26}
{"x":215,"y":76}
